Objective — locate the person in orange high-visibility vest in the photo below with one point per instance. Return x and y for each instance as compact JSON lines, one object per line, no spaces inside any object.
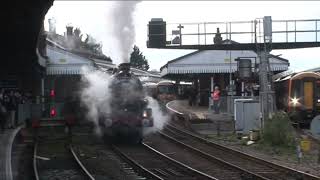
{"x":216,"y":100}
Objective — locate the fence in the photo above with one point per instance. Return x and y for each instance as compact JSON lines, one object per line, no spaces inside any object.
{"x":39,"y":111}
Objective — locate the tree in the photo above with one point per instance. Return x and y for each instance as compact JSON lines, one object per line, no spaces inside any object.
{"x":138,"y":60}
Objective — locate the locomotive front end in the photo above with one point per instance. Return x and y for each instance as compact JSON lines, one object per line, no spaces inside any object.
{"x":129,"y":109}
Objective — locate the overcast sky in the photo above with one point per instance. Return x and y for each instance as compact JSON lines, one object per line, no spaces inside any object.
{"x":94,"y":18}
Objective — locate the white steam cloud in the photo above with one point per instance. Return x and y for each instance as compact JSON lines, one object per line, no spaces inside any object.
{"x":95,"y":95}
{"x":123,"y":28}
{"x":159,"y":118}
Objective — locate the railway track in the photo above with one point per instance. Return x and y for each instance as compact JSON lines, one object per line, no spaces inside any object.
{"x":199,"y":160}
{"x":102,"y":163}
{"x":255,"y":166}
{"x":156,"y":165}
{"x":21,"y":157}
{"x":11,"y":151}
{"x":54,"y":160}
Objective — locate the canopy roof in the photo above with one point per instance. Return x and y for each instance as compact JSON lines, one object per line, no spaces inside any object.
{"x":217,"y":61}
{"x":62,"y":62}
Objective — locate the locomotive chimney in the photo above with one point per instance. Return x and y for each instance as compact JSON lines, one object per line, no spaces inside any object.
{"x":52,"y":25}
{"x":69,"y":30}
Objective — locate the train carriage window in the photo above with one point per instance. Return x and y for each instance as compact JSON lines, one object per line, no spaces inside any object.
{"x":317,"y":92}
{"x":166,"y":89}
{"x":296,"y":89}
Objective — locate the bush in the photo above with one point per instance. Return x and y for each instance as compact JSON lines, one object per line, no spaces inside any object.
{"x":278,"y":131}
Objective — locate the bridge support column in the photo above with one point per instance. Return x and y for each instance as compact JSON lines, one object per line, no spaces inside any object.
{"x":267,"y":95}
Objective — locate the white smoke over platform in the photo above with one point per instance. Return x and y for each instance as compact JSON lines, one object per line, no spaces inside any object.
{"x":123,"y":28}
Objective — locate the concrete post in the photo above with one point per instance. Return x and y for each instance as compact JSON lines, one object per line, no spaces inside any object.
{"x":242,"y":88}
{"x":212,"y":83}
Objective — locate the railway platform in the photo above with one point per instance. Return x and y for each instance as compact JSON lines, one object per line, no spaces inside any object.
{"x":6,"y":142}
{"x":202,"y":119}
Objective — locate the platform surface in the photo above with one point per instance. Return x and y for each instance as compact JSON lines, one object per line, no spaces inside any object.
{"x":6,"y":141}
{"x":202,"y":119}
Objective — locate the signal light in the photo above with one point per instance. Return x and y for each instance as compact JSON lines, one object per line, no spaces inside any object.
{"x":53,"y":112}
{"x":52,"y":93}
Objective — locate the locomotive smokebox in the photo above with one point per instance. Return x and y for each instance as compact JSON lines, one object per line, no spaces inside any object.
{"x":124,"y":67}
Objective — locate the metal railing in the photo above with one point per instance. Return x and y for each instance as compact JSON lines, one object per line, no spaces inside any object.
{"x":283,"y":31}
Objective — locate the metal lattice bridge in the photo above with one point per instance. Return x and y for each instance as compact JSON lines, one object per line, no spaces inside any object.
{"x":236,"y":35}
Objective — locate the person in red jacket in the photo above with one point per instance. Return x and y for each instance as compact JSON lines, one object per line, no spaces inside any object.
{"x":216,"y":100}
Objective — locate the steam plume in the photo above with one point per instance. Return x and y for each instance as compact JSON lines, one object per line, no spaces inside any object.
{"x":159,"y":118}
{"x":123,"y":28}
{"x":95,"y":95}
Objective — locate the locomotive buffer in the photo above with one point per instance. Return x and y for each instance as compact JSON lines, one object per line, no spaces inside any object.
{"x":258,"y":39}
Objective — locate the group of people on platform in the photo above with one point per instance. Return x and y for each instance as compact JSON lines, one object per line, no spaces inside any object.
{"x":9,"y":101}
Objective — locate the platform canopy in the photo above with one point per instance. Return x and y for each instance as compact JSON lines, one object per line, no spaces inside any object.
{"x":317,"y":69}
{"x":62,"y":62}
{"x":217,"y":61}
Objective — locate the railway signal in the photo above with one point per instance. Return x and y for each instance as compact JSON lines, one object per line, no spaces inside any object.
{"x":53,"y":110}
{"x":52,"y":93}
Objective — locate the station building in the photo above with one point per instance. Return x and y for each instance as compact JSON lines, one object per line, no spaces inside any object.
{"x":209,"y":68}
{"x":62,"y":62}
{"x":64,"y":57}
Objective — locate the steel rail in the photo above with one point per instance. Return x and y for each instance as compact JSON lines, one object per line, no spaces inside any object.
{"x":206,"y":155}
{"x":8,"y":165}
{"x":174,"y":162}
{"x":35,"y":166}
{"x":35,"y":169}
{"x":80,"y":164}
{"x":248,"y":156}
{"x":142,"y":170}
{"x":179,"y":163}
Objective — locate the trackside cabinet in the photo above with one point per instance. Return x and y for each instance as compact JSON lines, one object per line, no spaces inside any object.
{"x":246,"y":115}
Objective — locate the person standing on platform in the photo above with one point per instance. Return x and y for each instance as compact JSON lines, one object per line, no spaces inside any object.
{"x":6,"y":104}
{"x":192,"y":96}
{"x":3,"y":116}
{"x":1,"y":95}
{"x":216,"y":100}
{"x":12,"y":107}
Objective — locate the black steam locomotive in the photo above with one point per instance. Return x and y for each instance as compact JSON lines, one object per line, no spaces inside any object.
{"x":129,"y":113}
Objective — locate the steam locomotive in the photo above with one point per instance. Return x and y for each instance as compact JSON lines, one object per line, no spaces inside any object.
{"x":299,"y":95}
{"x":129,"y":113}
